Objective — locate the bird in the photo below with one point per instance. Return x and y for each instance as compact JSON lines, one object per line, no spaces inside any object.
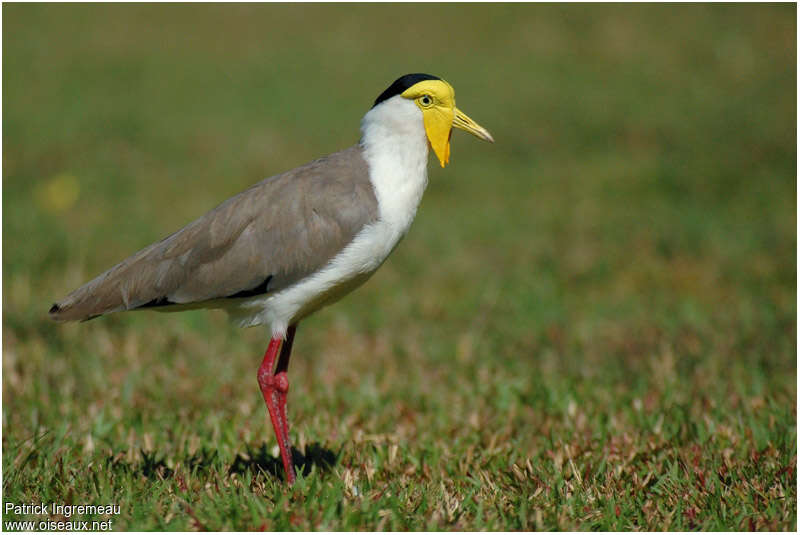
{"x":296,"y":241}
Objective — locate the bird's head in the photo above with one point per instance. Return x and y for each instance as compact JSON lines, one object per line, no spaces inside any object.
{"x":436,"y":100}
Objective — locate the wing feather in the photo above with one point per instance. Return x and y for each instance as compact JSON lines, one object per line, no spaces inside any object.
{"x":273,"y":234}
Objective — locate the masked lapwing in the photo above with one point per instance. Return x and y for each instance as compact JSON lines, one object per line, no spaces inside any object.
{"x":296,"y":241}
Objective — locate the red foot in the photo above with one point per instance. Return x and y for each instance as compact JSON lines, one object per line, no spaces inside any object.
{"x":274,"y":388}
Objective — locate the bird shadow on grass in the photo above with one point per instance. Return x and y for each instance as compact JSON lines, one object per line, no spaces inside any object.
{"x":259,"y":459}
{"x":151,"y":466}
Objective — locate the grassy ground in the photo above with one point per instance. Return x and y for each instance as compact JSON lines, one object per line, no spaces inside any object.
{"x":592,"y":324}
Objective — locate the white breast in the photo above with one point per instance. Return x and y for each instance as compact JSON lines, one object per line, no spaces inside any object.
{"x":396,"y":149}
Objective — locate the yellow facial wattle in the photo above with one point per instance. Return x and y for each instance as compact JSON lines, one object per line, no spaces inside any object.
{"x":436,"y":99}
{"x":439,"y":127}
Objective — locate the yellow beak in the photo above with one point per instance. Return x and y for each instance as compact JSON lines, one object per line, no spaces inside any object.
{"x":439,"y":123}
{"x":463,"y":122}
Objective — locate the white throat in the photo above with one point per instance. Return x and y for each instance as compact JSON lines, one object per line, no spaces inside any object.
{"x":396,"y":149}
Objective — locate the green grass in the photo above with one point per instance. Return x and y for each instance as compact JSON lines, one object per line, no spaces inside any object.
{"x":591,"y":325}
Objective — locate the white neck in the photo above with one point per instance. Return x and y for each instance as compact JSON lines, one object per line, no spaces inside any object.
{"x":396,"y":149}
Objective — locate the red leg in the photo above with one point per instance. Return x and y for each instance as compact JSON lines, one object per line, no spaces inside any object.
{"x":274,"y":388}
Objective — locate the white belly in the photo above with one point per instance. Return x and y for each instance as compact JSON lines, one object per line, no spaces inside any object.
{"x":345,"y":272}
{"x":396,"y":150}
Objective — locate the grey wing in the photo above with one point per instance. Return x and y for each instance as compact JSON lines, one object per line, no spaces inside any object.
{"x":262,"y":240}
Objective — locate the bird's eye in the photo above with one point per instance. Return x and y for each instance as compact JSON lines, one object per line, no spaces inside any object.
{"x":426,"y":100}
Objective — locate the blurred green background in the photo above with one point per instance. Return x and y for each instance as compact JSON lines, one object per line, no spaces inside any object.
{"x":616,"y":273}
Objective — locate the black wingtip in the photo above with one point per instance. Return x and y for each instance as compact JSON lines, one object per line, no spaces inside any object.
{"x":55,"y":309}
{"x":252,"y":292}
{"x":157,"y":302}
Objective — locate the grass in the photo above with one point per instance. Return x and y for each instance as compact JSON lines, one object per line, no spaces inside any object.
{"x":591,"y":325}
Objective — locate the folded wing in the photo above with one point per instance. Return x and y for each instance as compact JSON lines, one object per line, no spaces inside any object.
{"x":262,"y":240}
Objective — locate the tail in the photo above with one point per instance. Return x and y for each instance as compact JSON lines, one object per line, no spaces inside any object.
{"x":95,"y":298}
{"x":129,"y":285}
{"x":59,"y":313}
